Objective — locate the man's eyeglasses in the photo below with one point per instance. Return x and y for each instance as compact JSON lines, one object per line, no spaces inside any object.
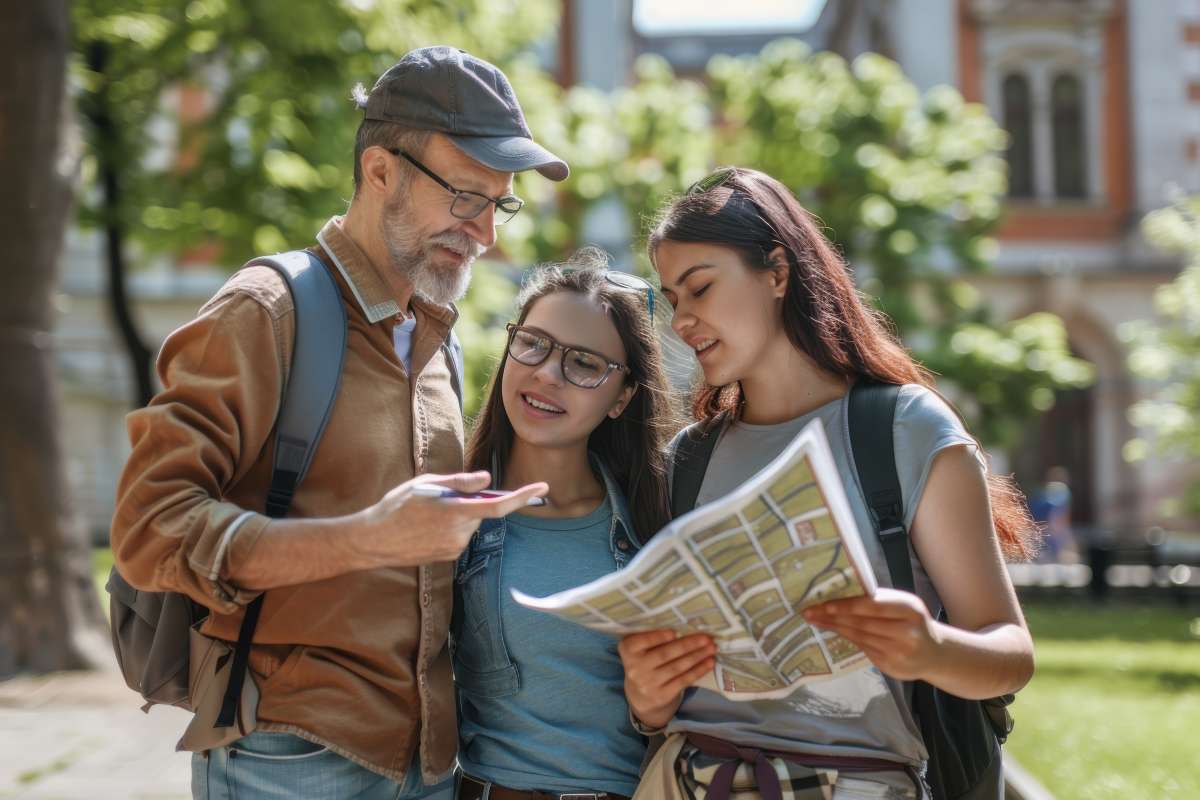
{"x":530,"y":346}
{"x":712,"y":180}
{"x":468,"y":205}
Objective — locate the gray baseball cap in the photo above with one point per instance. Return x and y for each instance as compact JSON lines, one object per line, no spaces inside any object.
{"x":450,"y":91}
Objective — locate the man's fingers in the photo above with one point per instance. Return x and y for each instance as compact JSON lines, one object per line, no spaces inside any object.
{"x":517,"y":500}
{"x":482,"y":508}
{"x":460,"y":481}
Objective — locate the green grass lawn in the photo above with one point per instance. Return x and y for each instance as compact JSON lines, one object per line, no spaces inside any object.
{"x":1113,"y":710}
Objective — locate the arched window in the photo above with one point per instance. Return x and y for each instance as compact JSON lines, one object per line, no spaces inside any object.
{"x":1018,"y":121}
{"x":1070,"y":155}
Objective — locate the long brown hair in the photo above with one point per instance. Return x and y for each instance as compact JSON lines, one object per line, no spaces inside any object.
{"x":633,"y":446}
{"x":824,"y":316}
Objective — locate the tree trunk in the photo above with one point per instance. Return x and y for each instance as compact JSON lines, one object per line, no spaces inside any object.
{"x":49,"y":616}
{"x":108,"y":153}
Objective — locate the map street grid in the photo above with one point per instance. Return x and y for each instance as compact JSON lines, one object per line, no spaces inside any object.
{"x":741,"y":569}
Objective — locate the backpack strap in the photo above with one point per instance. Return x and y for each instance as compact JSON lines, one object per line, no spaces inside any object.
{"x":691,"y":459}
{"x":962,"y":736}
{"x":872,"y":414}
{"x":308,"y":398}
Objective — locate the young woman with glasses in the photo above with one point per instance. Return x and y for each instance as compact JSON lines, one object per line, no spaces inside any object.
{"x":579,"y":400}
{"x":781,"y":335}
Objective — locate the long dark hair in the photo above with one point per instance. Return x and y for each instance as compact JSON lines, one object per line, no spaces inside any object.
{"x":824,"y":316}
{"x":633,"y":446}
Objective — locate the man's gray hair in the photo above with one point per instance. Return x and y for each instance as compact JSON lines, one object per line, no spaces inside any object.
{"x":388,"y":135}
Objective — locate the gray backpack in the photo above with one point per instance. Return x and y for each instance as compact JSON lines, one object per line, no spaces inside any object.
{"x":151,"y":630}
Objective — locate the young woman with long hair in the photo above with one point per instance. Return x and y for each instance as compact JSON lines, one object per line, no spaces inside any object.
{"x":580,"y":401}
{"x":781,"y":335}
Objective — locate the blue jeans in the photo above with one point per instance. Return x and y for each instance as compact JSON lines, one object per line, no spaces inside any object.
{"x":279,"y":766}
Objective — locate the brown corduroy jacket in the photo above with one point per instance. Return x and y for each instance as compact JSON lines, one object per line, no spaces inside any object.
{"x":357,"y":663}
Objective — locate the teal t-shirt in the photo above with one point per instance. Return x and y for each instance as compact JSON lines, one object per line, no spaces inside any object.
{"x":566,"y":729}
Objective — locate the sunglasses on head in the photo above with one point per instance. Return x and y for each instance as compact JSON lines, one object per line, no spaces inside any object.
{"x":627,"y":280}
{"x":712,"y":181}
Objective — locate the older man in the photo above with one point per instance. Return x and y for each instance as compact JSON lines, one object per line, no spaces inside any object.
{"x":355,"y":695}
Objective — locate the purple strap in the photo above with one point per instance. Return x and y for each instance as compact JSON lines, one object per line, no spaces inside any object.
{"x":721,"y":786}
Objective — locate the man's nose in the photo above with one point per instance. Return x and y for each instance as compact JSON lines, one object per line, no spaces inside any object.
{"x":483,"y":227}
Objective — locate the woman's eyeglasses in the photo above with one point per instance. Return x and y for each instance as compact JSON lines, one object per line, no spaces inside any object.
{"x":530,"y":346}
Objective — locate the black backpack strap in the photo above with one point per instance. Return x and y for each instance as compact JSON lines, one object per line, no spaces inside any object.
{"x":872,"y":414}
{"x":691,"y":459}
{"x":308,"y":398}
{"x":962,"y":736}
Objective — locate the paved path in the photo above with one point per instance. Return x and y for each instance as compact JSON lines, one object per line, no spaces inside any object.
{"x":83,"y":735}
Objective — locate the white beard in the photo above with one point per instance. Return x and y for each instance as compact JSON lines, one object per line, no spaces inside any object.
{"x":413,"y":257}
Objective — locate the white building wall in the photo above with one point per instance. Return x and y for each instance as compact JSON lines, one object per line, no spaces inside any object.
{"x":925,"y":34}
{"x":1163,"y":120}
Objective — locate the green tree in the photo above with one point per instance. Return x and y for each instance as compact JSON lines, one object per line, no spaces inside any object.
{"x":1166,"y":353}
{"x":268,"y":158}
{"x":907,"y":186}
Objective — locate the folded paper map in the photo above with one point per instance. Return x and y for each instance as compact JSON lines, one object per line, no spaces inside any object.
{"x":741,"y":569}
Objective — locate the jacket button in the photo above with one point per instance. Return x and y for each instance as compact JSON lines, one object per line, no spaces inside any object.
{"x":622,"y":545}
{"x":425,"y":598}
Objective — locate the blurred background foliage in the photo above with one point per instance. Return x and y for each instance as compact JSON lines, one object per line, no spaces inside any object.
{"x":1166,"y":352}
{"x":907,"y":185}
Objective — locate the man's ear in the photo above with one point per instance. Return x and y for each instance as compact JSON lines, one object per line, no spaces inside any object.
{"x":378,"y":171}
{"x":622,"y":403}
{"x":778,"y":260}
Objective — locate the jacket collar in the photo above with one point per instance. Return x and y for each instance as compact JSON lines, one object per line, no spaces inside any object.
{"x":370,"y":290}
{"x":616,"y":498}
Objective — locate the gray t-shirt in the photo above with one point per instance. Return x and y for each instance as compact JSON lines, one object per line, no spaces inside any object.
{"x":861,"y":713}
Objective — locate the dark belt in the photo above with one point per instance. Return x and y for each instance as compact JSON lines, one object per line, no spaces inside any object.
{"x":765,"y":777}
{"x":474,"y":789}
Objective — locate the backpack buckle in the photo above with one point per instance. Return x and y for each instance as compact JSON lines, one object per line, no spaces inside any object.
{"x":888,"y":508}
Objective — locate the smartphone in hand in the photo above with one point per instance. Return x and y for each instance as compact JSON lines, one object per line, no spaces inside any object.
{"x":444,"y":493}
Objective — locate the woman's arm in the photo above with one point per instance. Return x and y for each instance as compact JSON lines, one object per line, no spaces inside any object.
{"x":985,"y":649}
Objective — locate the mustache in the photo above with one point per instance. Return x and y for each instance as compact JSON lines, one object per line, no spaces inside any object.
{"x":459,"y":242}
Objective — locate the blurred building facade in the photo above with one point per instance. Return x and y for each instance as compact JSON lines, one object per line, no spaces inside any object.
{"x":1101,"y":99}
{"x":1102,"y":102}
